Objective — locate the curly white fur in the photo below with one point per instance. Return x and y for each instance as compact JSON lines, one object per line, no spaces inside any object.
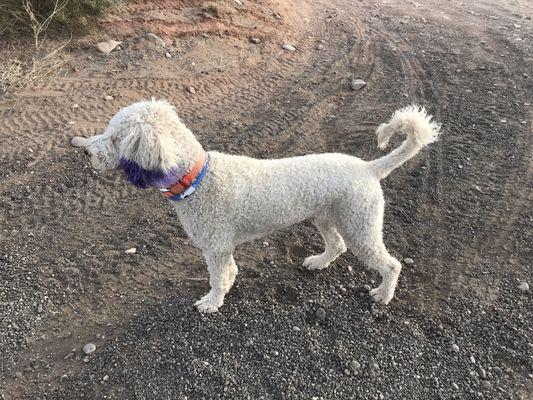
{"x":242,"y":198}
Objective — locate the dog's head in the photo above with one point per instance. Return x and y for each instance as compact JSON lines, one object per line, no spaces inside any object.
{"x":147,"y":139}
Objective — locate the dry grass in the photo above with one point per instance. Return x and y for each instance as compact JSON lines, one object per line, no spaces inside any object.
{"x":16,"y":74}
{"x":217,"y":9}
{"x":37,"y":16}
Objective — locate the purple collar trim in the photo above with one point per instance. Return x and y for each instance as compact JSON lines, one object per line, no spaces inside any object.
{"x":143,"y":178}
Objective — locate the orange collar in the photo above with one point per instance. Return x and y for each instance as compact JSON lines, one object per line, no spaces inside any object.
{"x":187,"y":185}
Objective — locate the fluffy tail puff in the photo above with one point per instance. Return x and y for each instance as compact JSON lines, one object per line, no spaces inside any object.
{"x":413,"y":122}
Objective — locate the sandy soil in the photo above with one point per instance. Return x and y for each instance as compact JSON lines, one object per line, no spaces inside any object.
{"x":461,"y":209}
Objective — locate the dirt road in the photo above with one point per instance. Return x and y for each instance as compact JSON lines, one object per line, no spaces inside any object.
{"x":461,"y":210}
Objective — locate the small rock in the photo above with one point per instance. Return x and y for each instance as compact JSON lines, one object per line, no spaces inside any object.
{"x":320,"y":313}
{"x":320,"y":47}
{"x":455,"y":386}
{"x":354,"y":365}
{"x":346,"y":371}
{"x":350,"y":269}
{"x":455,"y":347}
{"x":89,"y":348}
{"x":408,"y":261}
{"x":255,"y":40}
{"x":85,"y":359}
{"x":133,"y":250}
{"x":497,"y":370}
{"x":238,"y":2}
{"x":486,"y":385}
{"x":373,"y":365}
{"x":296,"y":329}
{"x":523,"y":286}
{"x":75,"y":106}
{"x":288,"y":47}
{"x":105,"y":378}
{"x":108,"y":97}
{"x":190,"y":89}
{"x":266,"y":244}
{"x":357,"y":84}
{"x":367,"y":288}
{"x":482,"y":373}
{"x":63,"y":377}
{"x":108,"y":46}
{"x":472,"y":360}
{"x":156,"y":39}
{"x":168,"y":55}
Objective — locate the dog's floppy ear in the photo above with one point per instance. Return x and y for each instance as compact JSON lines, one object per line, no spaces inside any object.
{"x":148,"y":147}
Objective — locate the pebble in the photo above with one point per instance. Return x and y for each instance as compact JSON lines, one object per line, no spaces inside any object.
{"x":486,"y":385}
{"x":523,"y":286}
{"x":89,"y":348}
{"x":455,"y":386}
{"x":482,"y":373}
{"x":350,"y":269}
{"x":108,"y":46}
{"x":255,"y":40}
{"x":347,"y":371}
{"x":367,"y":288}
{"x":85,"y":359}
{"x":168,"y":55}
{"x":320,"y":47}
{"x":320,"y":313}
{"x":133,"y":250}
{"x":105,"y":378}
{"x":75,"y":105}
{"x":455,"y":348}
{"x":357,"y":84}
{"x":190,"y":89}
{"x":472,"y":360}
{"x":296,"y":329}
{"x":288,"y":47}
{"x":156,"y":39}
{"x":408,"y":261}
{"x":373,"y":365}
{"x":354,"y":365}
{"x":266,"y":244}
{"x":108,"y":97}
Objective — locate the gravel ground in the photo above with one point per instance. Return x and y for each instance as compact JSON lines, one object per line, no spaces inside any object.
{"x":460,"y":323}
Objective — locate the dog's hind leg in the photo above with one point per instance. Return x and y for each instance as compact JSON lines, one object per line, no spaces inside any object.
{"x":388,"y":267}
{"x":222,"y":272}
{"x":334,"y":244}
{"x":363,"y":234}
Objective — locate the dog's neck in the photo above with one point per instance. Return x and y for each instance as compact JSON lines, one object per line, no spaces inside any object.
{"x":162,"y":179}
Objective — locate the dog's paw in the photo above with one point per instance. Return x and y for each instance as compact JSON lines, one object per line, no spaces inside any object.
{"x":315,"y":262}
{"x":207,"y":305}
{"x":381,"y":295}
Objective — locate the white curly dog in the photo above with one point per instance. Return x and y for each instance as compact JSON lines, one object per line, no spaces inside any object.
{"x":224,"y":200}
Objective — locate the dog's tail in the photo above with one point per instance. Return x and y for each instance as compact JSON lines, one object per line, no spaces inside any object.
{"x":413,"y":122}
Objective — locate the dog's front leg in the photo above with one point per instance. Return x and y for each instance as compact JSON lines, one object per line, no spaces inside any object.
{"x":222,"y":272}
